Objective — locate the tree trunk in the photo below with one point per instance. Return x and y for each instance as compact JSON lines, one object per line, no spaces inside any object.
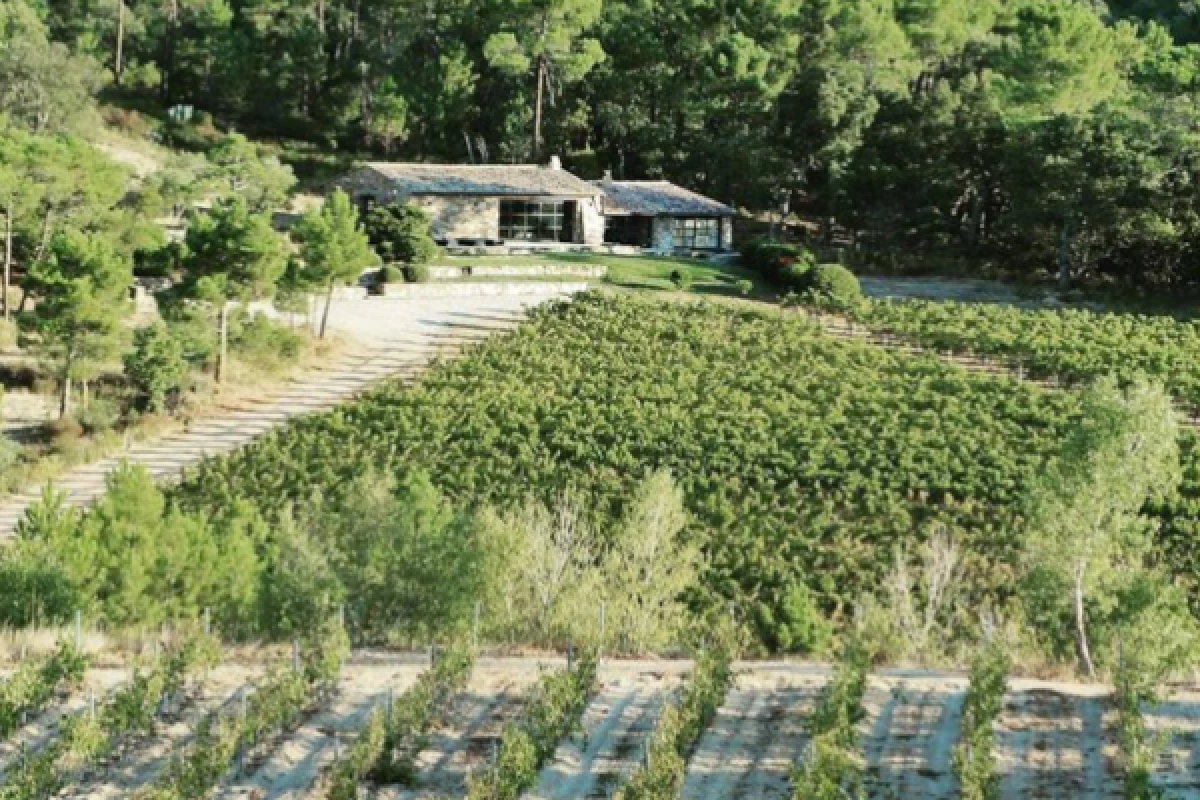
{"x":118,"y":60}
{"x":64,"y":400}
{"x":1081,"y":640}
{"x":47,"y":225}
{"x":325,"y":313}
{"x":537,"y":108}
{"x":8,"y":246}
{"x":222,"y":341}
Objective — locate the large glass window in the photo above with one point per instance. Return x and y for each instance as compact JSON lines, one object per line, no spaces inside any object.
{"x":696,"y":234}
{"x":532,"y":220}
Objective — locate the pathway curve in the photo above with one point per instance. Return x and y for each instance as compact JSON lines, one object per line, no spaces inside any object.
{"x":392,"y":338}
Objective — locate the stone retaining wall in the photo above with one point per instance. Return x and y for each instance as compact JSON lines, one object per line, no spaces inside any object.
{"x":531,"y":271}
{"x":532,"y":288}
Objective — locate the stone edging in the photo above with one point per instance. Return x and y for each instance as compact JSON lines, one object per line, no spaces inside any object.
{"x":532,"y":288}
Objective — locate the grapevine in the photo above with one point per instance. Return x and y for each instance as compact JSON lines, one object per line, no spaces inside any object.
{"x":832,"y":768}
{"x":36,"y":682}
{"x":89,"y":735}
{"x":275,"y":705}
{"x":554,"y":711}
{"x":974,"y":759}
{"x":386,"y":748}
{"x":679,"y":729}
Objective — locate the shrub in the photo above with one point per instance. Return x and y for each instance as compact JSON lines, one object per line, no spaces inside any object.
{"x":681,"y":278}
{"x":833,"y":287}
{"x":100,"y":415}
{"x":390,"y":274}
{"x":400,"y":233}
{"x":770,"y":259}
{"x":797,"y":276}
{"x":417,"y":273}
{"x":262,"y":343}
{"x":156,"y":367}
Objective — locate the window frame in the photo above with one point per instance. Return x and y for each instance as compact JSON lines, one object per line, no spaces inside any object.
{"x":532,"y":220}
{"x":696,"y":233}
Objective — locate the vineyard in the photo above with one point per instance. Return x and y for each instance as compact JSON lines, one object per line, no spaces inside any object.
{"x":1077,"y":345}
{"x":394,"y":726}
{"x":801,"y":458}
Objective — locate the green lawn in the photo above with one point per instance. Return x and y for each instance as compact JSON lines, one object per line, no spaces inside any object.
{"x":640,"y":273}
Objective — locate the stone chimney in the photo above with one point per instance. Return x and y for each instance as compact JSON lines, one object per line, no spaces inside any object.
{"x":555,"y":162}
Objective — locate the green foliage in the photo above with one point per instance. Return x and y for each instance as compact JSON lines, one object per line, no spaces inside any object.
{"x":833,"y":287}
{"x":390,"y":273}
{"x":1086,"y":538}
{"x":1076,"y":345}
{"x":779,"y":489}
{"x":414,"y":714}
{"x":82,"y":289}
{"x":411,"y":563}
{"x":400,"y":234}
{"x":277,"y":702}
{"x":232,"y":253}
{"x":135,"y":558}
{"x":974,"y":759}
{"x":681,"y":279}
{"x":680,"y":726}
{"x":333,"y":248}
{"x":785,"y":264}
{"x":27,"y":690}
{"x":832,"y":767}
{"x":416,"y":273}
{"x":156,"y":367}
{"x":553,"y":711}
{"x":87,"y":737}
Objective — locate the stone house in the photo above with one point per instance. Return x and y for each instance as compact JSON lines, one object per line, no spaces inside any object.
{"x":660,"y":216}
{"x":546,"y":208}
{"x":488,"y":204}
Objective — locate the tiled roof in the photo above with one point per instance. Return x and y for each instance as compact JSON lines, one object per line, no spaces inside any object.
{"x":653,"y":198}
{"x":487,"y":179}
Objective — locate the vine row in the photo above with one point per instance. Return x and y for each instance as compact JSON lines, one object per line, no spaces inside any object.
{"x":974,"y":758}
{"x":387,"y":747}
{"x":228,"y":738}
{"x":832,"y":768}
{"x":679,"y":728}
{"x":554,"y":712}
{"x":93,"y":733}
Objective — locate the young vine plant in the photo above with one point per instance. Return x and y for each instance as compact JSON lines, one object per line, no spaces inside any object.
{"x":279,"y":699}
{"x":832,"y":768}
{"x":36,"y":682}
{"x":974,"y":758}
{"x":92,"y":734}
{"x":553,"y":711}
{"x":387,"y":747}
{"x":679,"y":728}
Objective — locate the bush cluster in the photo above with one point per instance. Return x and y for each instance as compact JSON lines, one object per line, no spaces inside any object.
{"x":795,"y":270}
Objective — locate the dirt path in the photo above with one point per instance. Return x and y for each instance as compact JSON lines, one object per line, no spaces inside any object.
{"x":757,"y":737}
{"x":912,"y":733}
{"x":397,"y":338}
{"x":616,"y":727}
{"x":292,"y":768}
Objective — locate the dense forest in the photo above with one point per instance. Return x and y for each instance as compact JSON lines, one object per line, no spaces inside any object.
{"x":1022,"y":134}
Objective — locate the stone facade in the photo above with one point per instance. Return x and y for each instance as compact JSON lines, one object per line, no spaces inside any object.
{"x":476,"y":218}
